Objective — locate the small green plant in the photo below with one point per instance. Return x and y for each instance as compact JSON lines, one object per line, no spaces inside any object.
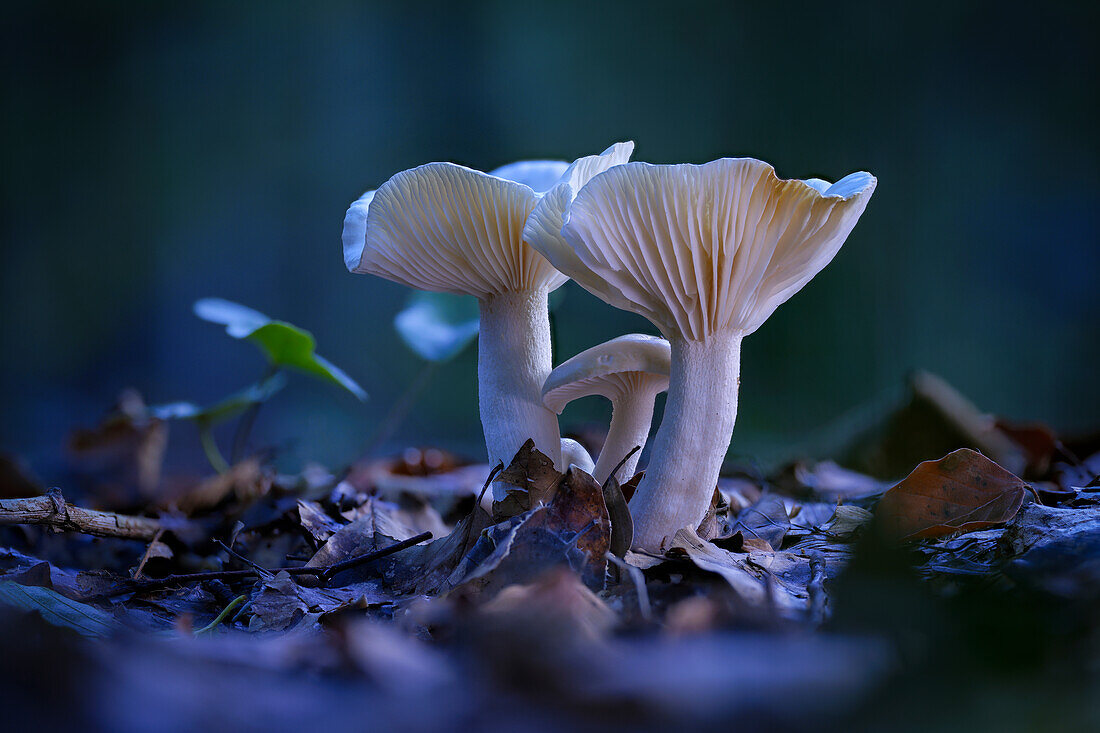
{"x":286,"y":347}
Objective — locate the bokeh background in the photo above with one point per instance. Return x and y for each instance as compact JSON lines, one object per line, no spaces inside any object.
{"x":155,"y":153}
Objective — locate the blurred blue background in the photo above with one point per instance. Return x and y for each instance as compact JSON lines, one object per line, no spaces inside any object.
{"x":157,"y":153}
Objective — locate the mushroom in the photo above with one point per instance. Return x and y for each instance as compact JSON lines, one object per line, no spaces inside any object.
{"x":574,"y":454}
{"x":707,"y":253}
{"x":630,"y":371}
{"x":448,"y":228}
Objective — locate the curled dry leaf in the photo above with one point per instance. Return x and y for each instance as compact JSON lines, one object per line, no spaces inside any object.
{"x":573,"y":530}
{"x":962,"y":492}
{"x":622,"y":525}
{"x":529,"y":480}
{"x":316,"y":521}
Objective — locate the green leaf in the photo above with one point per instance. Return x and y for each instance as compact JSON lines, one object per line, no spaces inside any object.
{"x":437,"y":326}
{"x":232,"y":405}
{"x":57,"y":609}
{"x":284,"y":344}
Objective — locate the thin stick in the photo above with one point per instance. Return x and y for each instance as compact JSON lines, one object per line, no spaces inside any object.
{"x":324,"y":572}
{"x":148,"y":551}
{"x":328,"y":572}
{"x":52,"y":511}
{"x":260,"y":570}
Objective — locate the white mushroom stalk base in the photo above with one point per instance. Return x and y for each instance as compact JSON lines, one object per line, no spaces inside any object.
{"x":691,"y":443}
{"x":631,"y":418}
{"x":513,"y":360}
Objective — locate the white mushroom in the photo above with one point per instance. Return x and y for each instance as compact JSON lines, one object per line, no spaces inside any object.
{"x":448,"y":228}
{"x":574,"y":454}
{"x":707,"y":253}
{"x":630,"y":371}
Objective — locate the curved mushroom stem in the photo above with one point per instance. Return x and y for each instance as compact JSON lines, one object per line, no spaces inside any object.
{"x":691,"y":443}
{"x":574,"y":454}
{"x":631,"y":417}
{"x":513,"y":360}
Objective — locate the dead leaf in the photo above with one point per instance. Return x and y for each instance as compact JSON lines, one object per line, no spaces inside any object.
{"x":574,"y":530}
{"x":122,"y":456}
{"x":750,"y":575}
{"x":276,"y":606}
{"x":765,"y":521}
{"x":632,"y":485}
{"x":847,"y":521}
{"x":962,"y":492}
{"x":622,"y":525}
{"x":316,"y":521}
{"x":529,"y":480}
{"x":376,"y":526}
{"x":1038,"y":442}
{"x":708,"y":529}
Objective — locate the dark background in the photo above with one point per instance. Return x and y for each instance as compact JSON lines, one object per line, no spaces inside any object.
{"x":157,"y":153}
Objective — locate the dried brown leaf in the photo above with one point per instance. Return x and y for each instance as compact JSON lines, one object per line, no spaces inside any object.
{"x":962,"y":492}
{"x":530,"y":479}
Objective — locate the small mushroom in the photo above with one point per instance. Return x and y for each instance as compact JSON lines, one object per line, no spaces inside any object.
{"x":707,"y":253}
{"x":574,"y":454}
{"x":448,"y":228}
{"x":630,"y":371}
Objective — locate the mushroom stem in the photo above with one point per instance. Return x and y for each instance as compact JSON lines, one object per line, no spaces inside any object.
{"x":691,"y":443}
{"x":631,"y":417}
{"x":513,"y":360}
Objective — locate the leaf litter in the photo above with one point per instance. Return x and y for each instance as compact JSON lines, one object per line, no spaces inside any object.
{"x":290,"y":601}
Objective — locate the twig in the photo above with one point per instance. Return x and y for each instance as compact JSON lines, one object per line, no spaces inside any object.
{"x":816,"y":589}
{"x":148,"y":552}
{"x":324,"y":573}
{"x":260,"y":570}
{"x":620,"y":464}
{"x":53,"y":511}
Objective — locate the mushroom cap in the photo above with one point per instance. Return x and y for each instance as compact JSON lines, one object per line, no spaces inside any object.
{"x":699,"y":249}
{"x":448,"y":228}
{"x":613,"y":369}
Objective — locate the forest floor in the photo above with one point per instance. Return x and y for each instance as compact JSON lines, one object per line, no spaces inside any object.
{"x":396,"y":595}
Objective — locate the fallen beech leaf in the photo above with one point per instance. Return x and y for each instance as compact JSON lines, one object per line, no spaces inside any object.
{"x":530,"y":480}
{"x":962,"y":492}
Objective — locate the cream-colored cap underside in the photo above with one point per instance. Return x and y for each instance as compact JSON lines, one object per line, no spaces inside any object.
{"x":612,"y":386}
{"x":452,"y":229}
{"x":699,"y":249}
